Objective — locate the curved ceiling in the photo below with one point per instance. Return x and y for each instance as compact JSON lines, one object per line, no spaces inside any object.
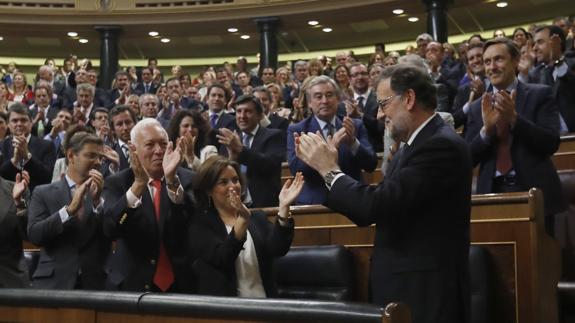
{"x":201,"y":30}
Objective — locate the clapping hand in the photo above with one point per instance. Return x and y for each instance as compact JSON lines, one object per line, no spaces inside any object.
{"x":290,"y":191}
{"x":78,"y":198}
{"x":319,"y":154}
{"x":20,"y":186}
{"x":96,"y":185}
{"x":172,"y":159}
{"x":236,"y":203}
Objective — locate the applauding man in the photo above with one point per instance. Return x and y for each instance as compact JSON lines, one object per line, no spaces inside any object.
{"x":147,"y":213}
{"x":64,"y":219}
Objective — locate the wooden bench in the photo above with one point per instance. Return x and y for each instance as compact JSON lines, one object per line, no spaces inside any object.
{"x":510,"y":226}
{"x":55,"y":306}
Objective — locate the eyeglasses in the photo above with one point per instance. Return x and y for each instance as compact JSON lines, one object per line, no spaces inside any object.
{"x":384,"y":102}
{"x":358,"y":74}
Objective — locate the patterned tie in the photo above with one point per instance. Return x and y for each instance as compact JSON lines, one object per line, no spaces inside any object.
{"x":147,"y":88}
{"x":126,"y":151}
{"x":213,"y":120}
{"x":329,"y":130}
{"x":164,"y":276}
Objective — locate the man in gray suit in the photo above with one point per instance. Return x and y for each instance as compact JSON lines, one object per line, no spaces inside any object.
{"x":13,"y":269}
{"x":64,"y":220}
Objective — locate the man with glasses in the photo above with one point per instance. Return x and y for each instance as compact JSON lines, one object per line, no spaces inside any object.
{"x":355,"y":151}
{"x":364,"y":104}
{"x":422,"y":207}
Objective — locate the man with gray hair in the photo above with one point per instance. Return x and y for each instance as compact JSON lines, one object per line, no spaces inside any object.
{"x":84,"y":102}
{"x":147,"y":209}
{"x":350,"y":136}
{"x":46,"y":73}
{"x":422,"y":41}
{"x":149,"y":105}
{"x":300,"y":73}
{"x":421,"y":209}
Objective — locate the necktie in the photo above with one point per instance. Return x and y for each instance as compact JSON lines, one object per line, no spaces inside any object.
{"x":126,"y":152}
{"x":147,"y":88}
{"x":328,"y":130}
{"x":503,"y":162}
{"x":164,"y":276}
{"x":244,"y":169}
{"x":213,"y":120}
{"x":360,"y":103}
{"x":246,"y":141}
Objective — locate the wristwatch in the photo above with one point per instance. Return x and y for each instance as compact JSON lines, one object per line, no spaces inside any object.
{"x":328,"y":178}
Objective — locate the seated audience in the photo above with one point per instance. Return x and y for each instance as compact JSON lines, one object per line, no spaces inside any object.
{"x":232,"y":247}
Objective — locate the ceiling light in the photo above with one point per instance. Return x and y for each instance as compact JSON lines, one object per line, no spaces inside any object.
{"x":72,"y":34}
{"x":165,"y":40}
{"x":327,"y":30}
{"x":413,"y":19}
{"x":245,"y":36}
{"x":232,"y":30}
{"x":153,"y":33}
{"x":1,"y":38}
{"x":397,"y":11}
{"x":313,"y":22}
{"x":83,"y":40}
{"x":502,"y":4}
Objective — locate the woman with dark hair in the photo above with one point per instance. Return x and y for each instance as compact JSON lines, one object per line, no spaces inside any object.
{"x":233,"y":247}
{"x":342,"y":77}
{"x":4,"y":131}
{"x":520,"y":37}
{"x":195,"y":130}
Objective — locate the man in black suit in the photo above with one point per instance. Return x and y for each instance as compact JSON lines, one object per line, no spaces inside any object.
{"x":556,"y":70}
{"x":42,"y":111}
{"x":24,"y":151}
{"x":147,"y":210}
{"x":421,"y":209}
{"x":513,"y":131}
{"x":472,"y":90}
{"x":46,"y":75}
{"x":269,"y":119}
{"x":260,"y":151}
{"x":121,"y":91}
{"x":364,"y":105}
{"x":217,"y":100}
{"x":147,"y":85}
{"x":122,"y":120}
{"x":65,"y":220}
{"x":13,"y":220}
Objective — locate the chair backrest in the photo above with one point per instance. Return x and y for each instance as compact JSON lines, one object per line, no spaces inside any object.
{"x":31,"y":257}
{"x":315,"y":272}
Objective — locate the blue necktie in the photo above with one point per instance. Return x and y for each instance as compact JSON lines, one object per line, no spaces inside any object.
{"x":214,"y":120}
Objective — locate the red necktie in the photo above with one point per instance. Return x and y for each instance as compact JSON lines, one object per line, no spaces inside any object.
{"x":164,"y":276}
{"x":503,"y":162}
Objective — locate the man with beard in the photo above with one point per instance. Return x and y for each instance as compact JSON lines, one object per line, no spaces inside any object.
{"x":422,"y":207}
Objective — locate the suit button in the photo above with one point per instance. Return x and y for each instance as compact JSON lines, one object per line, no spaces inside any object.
{"x":153,"y":261}
{"x":147,"y":287}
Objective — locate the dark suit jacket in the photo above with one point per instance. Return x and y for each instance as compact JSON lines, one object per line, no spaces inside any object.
{"x":226,"y":120}
{"x":13,"y":268}
{"x":535,"y":139}
{"x":314,"y":190}
{"x":52,"y":112}
{"x":563,"y":89}
{"x":70,"y":248}
{"x":374,"y":129}
{"x":101,"y":98}
{"x":138,"y":234}
{"x":141,"y":89}
{"x":277,"y":122}
{"x":421,"y":211}
{"x":40,"y":166}
{"x":264,"y":162}
{"x":215,"y":251}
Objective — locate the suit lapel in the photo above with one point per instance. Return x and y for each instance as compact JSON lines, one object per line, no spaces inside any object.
{"x":520,"y":98}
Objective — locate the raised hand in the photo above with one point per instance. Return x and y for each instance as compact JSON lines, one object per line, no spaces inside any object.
{"x":111,"y":155}
{"x":505,"y":105}
{"x":78,"y":198}
{"x":140,"y":174}
{"x":172,"y":159}
{"x":313,"y":150}
{"x":188,"y":147}
{"x":231,"y":140}
{"x":20,"y":186}
{"x":290,"y":191}
{"x":236,"y":204}
{"x":489,"y":114}
{"x":96,"y":185}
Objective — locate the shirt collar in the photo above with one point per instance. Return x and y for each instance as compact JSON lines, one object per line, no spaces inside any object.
{"x":323,"y":123}
{"x":510,"y":88}
{"x":365,"y":95}
{"x":253,"y":132}
{"x":69,"y":181}
{"x":418,"y":130}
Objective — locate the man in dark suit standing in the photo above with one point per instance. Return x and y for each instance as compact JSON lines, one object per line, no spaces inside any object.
{"x":422,"y":207}
{"x":270,"y":119}
{"x":13,"y":220}
{"x":350,"y":136}
{"x":122,"y":120}
{"x":556,"y":70}
{"x":65,"y":220}
{"x":259,"y":150}
{"x":24,"y":151}
{"x":42,"y":111}
{"x":513,"y":131}
{"x":217,"y":100}
{"x":147,"y":210}
{"x":147,"y":85}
